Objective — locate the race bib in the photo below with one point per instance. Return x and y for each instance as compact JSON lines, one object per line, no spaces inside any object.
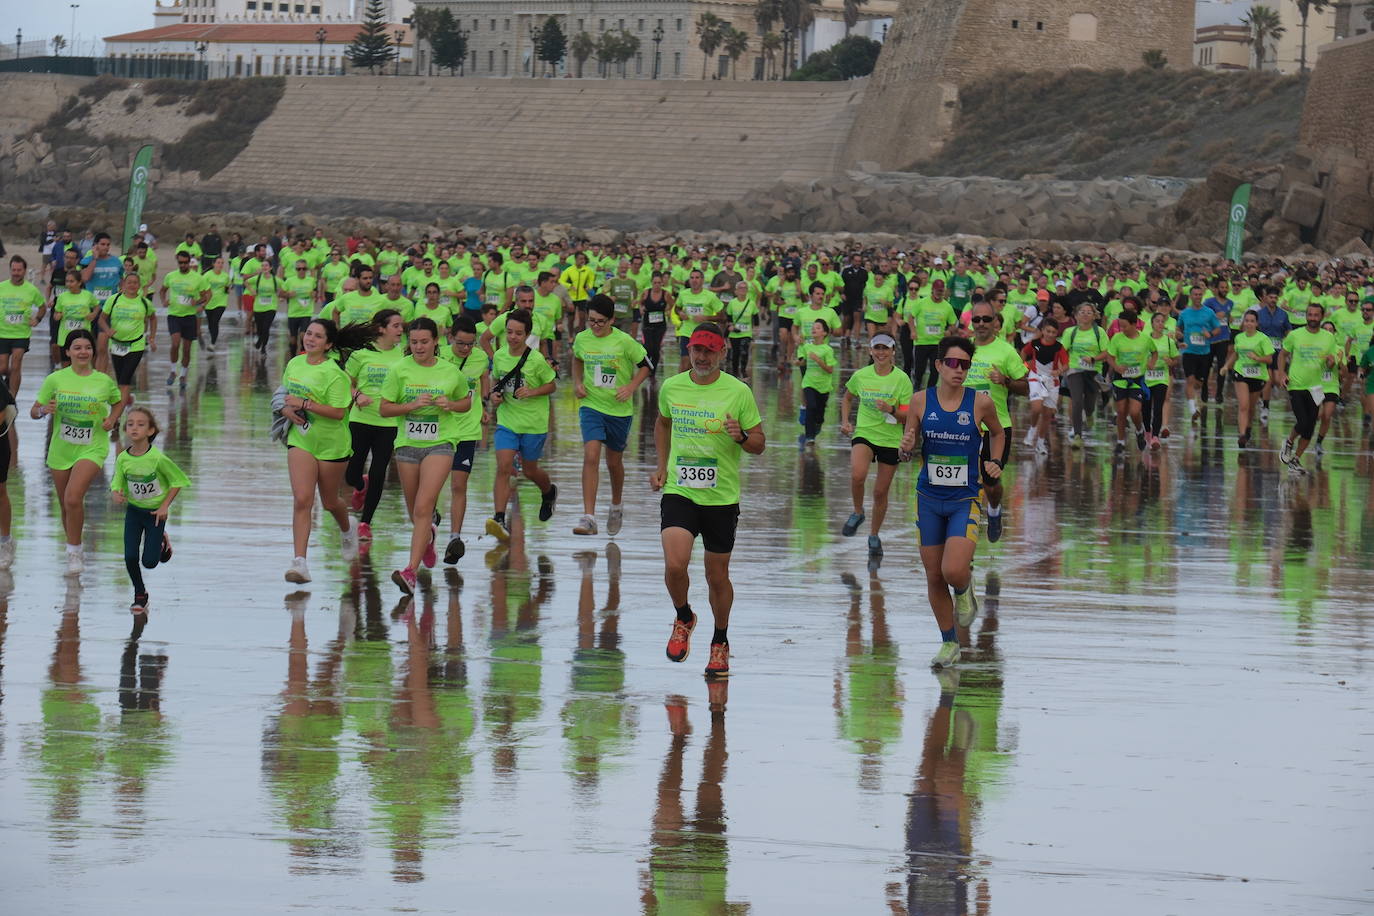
{"x":694,"y":311}
{"x":103,"y":294}
{"x":77,"y":432}
{"x":145,"y":489}
{"x":184,"y":299}
{"x":947,"y":470}
{"x":1252,"y":370}
{"x":603,"y":376}
{"x":1197,"y":340}
{"x":1327,"y":376}
{"x":1155,"y":375}
{"x":422,"y":430}
{"x":740,"y":327}
{"x":71,"y":324}
{"x":14,"y":318}
{"x":1318,"y":394}
{"x":1085,"y":362}
{"x":696,"y":473}
{"x":934,"y":330}
{"x":1130,"y":372}
{"x":119,"y":347}
{"x":655,"y":318}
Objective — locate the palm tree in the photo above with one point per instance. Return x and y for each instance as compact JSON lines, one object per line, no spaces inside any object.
{"x":710,"y":33}
{"x":1305,"y":7}
{"x":770,"y":44}
{"x":851,"y":14}
{"x":797,"y":16}
{"x":1265,"y":30}
{"x":583,"y":46}
{"x":736,"y":43}
{"x":766,"y":13}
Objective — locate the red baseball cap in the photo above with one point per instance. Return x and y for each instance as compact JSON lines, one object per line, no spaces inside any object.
{"x":708,"y":339}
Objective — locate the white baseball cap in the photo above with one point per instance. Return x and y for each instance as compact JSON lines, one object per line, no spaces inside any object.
{"x":143,"y":227}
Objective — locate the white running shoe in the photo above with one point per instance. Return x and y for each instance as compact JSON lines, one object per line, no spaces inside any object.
{"x":614,"y":519}
{"x":299,"y":571}
{"x":1042,"y":447}
{"x":947,"y":657}
{"x":349,"y":541}
{"x":7,"y":554}
{"x":1030,"y":438}
{"x":75,"y":562}
{"x":586,"y":525}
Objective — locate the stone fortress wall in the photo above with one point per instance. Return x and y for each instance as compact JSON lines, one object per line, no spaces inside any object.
{"x":936,"y":46}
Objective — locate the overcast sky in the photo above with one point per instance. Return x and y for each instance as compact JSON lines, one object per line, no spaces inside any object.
{"x":97,"y":18}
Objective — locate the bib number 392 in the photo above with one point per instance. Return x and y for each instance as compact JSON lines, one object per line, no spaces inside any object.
{"x":145,"y":489}
{"x":696,"y":474}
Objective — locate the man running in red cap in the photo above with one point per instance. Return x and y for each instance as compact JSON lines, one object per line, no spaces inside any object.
{"x":706,"y":420}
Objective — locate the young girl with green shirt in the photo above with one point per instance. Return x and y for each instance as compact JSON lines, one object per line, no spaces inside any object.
{"x":145,"y":481}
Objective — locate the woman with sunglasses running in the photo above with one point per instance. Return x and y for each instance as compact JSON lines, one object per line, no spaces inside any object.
{"x":947,"y":420}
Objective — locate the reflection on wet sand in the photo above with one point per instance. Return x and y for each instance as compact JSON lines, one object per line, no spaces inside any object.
{"x":515,"y":675}
{"x":868,"y":692}
{"x":598,"y":721}
{"x":963,"y":759}
{"x":689,"y":857}
{"x":139,"y":734}
{"x":300,"y":753}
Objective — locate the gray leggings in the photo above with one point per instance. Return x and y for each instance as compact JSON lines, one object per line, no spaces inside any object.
{"x":1082,"y":394}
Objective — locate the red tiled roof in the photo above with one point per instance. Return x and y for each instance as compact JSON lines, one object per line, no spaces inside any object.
{"x":249,"y":32}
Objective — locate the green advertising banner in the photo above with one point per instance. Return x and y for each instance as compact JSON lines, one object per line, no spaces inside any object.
{"x":138,"y":193}
{"x":1235,"y":227}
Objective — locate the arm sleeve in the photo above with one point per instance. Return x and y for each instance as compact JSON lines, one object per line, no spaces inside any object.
{"x":173,"y":476}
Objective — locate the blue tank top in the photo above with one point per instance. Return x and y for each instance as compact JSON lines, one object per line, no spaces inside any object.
{"x":950,"y":446}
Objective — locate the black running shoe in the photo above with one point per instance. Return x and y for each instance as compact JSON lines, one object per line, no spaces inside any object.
{"x":455,"y":550}
{"x":546,"y":503}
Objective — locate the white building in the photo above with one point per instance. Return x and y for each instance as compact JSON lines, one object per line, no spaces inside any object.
{"x":214,"y":11}
{"x":253,"y":48}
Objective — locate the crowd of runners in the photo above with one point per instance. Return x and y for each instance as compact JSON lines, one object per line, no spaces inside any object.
{"x":415,"y":354}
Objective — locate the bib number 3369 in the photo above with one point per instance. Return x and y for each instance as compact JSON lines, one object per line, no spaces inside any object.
{"x":696,"y":474}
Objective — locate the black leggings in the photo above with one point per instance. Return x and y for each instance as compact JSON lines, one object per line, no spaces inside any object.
{"x":1304,"y":413}
{"x":141,"y":525}
{"x":262,"y":323}
{"x":739,"y":355}
{"x":1154,"y":416}
{"x":904,"y":341}
{"x":213,"y":316}
{"x":923,"y":360}
{"x":815,"y":410}
{"x":653,"y":345}
{"x":380,"y":442}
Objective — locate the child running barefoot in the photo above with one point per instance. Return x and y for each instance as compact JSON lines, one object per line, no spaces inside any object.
{"x":147,"y":481}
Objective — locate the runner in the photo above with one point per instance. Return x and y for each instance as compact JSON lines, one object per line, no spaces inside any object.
{"x":265,"y":289}
{"x":1331,"y":388}
{"x":1307,"y":352}
{"x":1130,"y":354}
{"x":74,"y":308}
{"x":882,"y":393}
{"x":128,"y":322}
{"x":1046,"y":359}
{"x":741,"y":313}
{"x":473,"y":363}
{"x":78,"y":399}
{"x":318,"y":395}
{"x":931,"y":319}
{"x":706,"y":419}
{"x":300,"y":290}
{"x":999,"y":371}
{"x":609,"y":366}
{"x":947,"y":420}
{"x":1157,"y":377}
{"x":520,"y":400}
{"x":1366,"y":368}
{"x":372,"y":435}
{"x":1198,"y":329}
{"x":1248,"y":363}
{"x":652,"y":319}
{"x":217,"y":279}
{"x":145,"y":481}
{"x":1274,"y":324}
{"x":694,"y":305}
{"x":184,"y":294}
{"x":1087,"y":346}
{"x":21,"y":309}
{"x":818,"y":362}
{"x":427,"y":394}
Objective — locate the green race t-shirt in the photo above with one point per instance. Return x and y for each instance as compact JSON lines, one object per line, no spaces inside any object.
{"x":696,"y":308}
{"x":19,"y":303}
{"x":353,"y":307}
{"x":300,"y":296}
{"x":74,"y":312}
{"x":807,"y":316}
{"x":327,"y":384}
{"x":932,"y":321}
{"x":368,"y":368}
{"x":145,"y":479}
{"x":814,"y":376}
{"x":1308,"y":352}
{"x":432,"y":425}
{"x":740,"y":315}
{"x":1131,"y":355}
{"x":83,"y":403}
{"x":1167,"y":348}
{"x":217,"y":281}
{"x":1001,"y":356}
{"x":266,"y":288}
{"x":473,"y":366}
{"x":128,"y":320}
{"x":703,"y":461}
{"x":867,"y":386}
{"x":183,"y":292}
{"x":521,"y":415}
{"x":1254,"y":351}
{"x":608,"y":363}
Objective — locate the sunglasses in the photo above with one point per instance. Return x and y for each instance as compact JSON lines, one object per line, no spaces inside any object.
{"x":982,"y":319}
{"x":954,"y":362}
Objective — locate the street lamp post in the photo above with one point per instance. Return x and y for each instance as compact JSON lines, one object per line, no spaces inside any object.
{"x":534,"y":47}
{"x":463,"y":42}
{"x":320,"y":36}
{"x":658,"y":40}
{"x":399,"y":35}
{"x":18,"y":40}
{"x":201,"y":48}
{"x":72,"y":36}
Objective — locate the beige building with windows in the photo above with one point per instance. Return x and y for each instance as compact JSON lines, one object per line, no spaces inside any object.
{"x":500,"y":43}
{"x":1223,"y":47}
